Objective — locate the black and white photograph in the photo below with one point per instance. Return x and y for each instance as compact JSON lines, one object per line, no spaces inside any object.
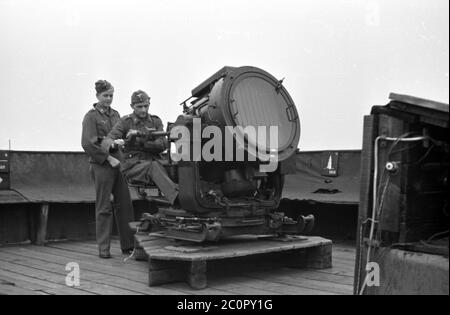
{"x":224,"y":154}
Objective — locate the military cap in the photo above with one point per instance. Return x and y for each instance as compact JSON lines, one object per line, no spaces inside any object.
{"x":102,"y":86}
{"x":140,"y":97}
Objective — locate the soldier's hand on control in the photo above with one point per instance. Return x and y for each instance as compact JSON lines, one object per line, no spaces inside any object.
{"x":118,"y":143}
{"x":113,"y":161}
{"x":131,"y":133}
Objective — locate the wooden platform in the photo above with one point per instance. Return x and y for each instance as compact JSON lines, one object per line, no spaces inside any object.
{"x":31,"y":269}
{"x":174,"y":261}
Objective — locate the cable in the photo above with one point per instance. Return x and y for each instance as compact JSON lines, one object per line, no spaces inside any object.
{"x":421,"y":159}
{"x":22,"y":195}
{"x":374,"y":187}
{"x":375,"y":176}
{"x":131,"y":255}
{"x":134,"y":249}
{"x":402,"y":138}
{"x":376,"y":211}
{"x":380,"y":207}
{"x":377,"y":215}
{"x":437,"y":234}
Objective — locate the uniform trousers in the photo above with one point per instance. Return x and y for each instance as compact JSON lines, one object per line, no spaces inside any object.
{"x":149,"y":172}
{"x":109,"y":181}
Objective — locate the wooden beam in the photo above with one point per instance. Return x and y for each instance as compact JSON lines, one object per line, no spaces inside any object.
{"x":196,"y":276}
{"x":365,"y":196}
{"x":41,"y":232}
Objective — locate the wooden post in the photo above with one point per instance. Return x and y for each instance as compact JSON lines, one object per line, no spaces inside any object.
{"x":370,"y":130}
{"x":196,"y":276}
{"x":41,"y":232}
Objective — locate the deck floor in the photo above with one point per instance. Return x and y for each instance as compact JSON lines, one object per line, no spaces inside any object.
{"x":30,"y":269}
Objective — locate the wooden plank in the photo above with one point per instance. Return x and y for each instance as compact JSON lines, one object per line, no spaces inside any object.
{"x":99,"y":274}
{"x":166,"y":262}
{"x":239,"y":288}
{"x":61,"y":290}
{"x":344,"y":260}
{"x":6,"y":283}
{"x":10,"y":289}
{"x":148,"y":241}
{"x":92,"y":252}
{"x":348,"y":248}
{"x":147,"y":237}
{"x":184,"y":287}
{"x":299,"y":281}
{"x":90,"y":249}
{"x":42,"y":224}
{"x":268,"y":287}
{"x":115,"y":261}
{"x":238,"y":284}
{"x":79,"y":248}
{"x":238,"y":248}
{"x":343,"y":264}
{"x":348,"y":262}
{"x":105,"y":267}
{"x":93,"y":255}
{"x":317,"y":275}
{"x":50,"y":272}
{"x":336,"y":271}
{"x":159,"y":242}
{"x":343,"y":253}
{"x":41,"y":275}
{"x":97,"y":283}
{"x":369,"y":131}
{"x":39,"y":285}
{"x":24,"y":282}
{"x":408,"y":99}
{"x":218,"y":283}
{"x":344,"y":250}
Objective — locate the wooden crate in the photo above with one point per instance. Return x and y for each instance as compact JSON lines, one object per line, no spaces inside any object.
{"x":174,"y":261}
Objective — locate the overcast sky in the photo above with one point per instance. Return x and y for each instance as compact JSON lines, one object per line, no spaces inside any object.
{"x":339,"y":57}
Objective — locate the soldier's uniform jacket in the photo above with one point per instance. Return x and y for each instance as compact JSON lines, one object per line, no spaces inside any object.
{"x":97,"y":123}
{"x":140,"y":148}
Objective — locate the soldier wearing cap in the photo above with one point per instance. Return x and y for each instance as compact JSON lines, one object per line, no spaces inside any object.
{"x":142,"y":153}
{"x":108,"y":179}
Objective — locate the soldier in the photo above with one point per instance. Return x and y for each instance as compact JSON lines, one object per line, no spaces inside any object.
{"x":104,"y":169}
{"x":141,"y":151}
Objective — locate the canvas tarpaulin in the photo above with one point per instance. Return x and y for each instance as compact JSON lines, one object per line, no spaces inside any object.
{"x":325,"y":176}
{"x":50,"y":177}
{"x":63,"y":177}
